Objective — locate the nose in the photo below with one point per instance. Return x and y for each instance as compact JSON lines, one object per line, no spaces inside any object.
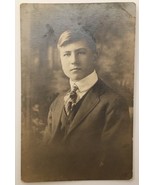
{"x":74,"y":58}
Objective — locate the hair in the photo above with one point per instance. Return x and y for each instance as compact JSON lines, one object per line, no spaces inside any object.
{"x":70,"y":36}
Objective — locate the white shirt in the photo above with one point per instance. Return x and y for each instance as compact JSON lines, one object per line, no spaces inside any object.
{"x":83,"y":86}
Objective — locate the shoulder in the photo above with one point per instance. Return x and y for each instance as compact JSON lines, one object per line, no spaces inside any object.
{"x":108,"y":95}
{"x":57,"y":101}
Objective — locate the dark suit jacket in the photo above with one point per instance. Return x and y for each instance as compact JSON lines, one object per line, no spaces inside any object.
{"x":98,"y":143}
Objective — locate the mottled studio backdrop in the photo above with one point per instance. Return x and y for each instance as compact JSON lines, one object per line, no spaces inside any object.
{"x":112,"y":25}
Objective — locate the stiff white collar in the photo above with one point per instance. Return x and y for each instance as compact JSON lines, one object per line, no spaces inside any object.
{"x":86,"y":83}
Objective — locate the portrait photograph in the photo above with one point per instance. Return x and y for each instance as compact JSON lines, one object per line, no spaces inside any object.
{"x":77,"y":91}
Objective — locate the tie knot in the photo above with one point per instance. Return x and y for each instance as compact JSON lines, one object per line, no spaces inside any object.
{"x":74,"y":88}
{"x":73,"y":94}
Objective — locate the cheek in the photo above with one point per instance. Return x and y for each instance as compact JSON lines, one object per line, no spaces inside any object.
{"x":65,"y":66}
{"x":88,"y":61}
{"x":63,"y":61}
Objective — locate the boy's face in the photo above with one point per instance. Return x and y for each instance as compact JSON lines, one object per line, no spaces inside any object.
{"x":77,"y":60}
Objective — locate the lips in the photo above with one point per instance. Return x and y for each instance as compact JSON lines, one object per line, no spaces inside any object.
{"x":75,"y":69}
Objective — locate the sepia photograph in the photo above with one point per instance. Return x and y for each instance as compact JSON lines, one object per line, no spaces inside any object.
{"x":77,"y":91}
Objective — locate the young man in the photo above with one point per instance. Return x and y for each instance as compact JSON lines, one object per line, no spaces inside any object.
{"x":89,"y":133}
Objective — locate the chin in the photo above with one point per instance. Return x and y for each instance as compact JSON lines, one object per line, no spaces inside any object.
{"x":75,"y":79}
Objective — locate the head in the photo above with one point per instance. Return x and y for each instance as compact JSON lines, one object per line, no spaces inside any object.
{"x":77,"y":53}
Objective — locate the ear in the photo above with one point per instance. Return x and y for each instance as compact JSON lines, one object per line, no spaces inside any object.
{"x":95,"y":56}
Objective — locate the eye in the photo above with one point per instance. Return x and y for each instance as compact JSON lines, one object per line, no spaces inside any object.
{"x":81,"y":52}
{"x":66,"y":54}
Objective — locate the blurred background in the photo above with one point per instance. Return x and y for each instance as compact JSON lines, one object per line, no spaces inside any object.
{"x":113,"y":27}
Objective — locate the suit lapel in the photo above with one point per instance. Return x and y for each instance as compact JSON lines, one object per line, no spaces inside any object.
{"x":88,"y":104}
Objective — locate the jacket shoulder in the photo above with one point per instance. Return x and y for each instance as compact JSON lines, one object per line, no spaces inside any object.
{"x":108,"y":94}
{"x":57,"y":100}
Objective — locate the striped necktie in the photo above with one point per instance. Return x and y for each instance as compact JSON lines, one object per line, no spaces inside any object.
{"x":72,"y":100}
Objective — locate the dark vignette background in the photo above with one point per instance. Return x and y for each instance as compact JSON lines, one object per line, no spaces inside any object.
{"x":113,"y":27}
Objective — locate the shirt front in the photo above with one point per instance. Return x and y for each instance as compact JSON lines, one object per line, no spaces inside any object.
{"x":83,"y":86}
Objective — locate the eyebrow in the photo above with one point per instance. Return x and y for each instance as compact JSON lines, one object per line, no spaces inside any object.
{"x":77,"y":50}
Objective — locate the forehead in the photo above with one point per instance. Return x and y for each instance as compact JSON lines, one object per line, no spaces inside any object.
{"x":80,"y":44}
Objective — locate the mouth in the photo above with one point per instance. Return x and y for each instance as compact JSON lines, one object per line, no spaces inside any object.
{"x":75,"y":69}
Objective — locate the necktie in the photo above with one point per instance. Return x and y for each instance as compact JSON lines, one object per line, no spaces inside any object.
{"x":72,"y":100}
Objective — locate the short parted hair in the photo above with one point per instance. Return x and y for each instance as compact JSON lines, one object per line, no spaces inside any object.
{"x":71,"y":36}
